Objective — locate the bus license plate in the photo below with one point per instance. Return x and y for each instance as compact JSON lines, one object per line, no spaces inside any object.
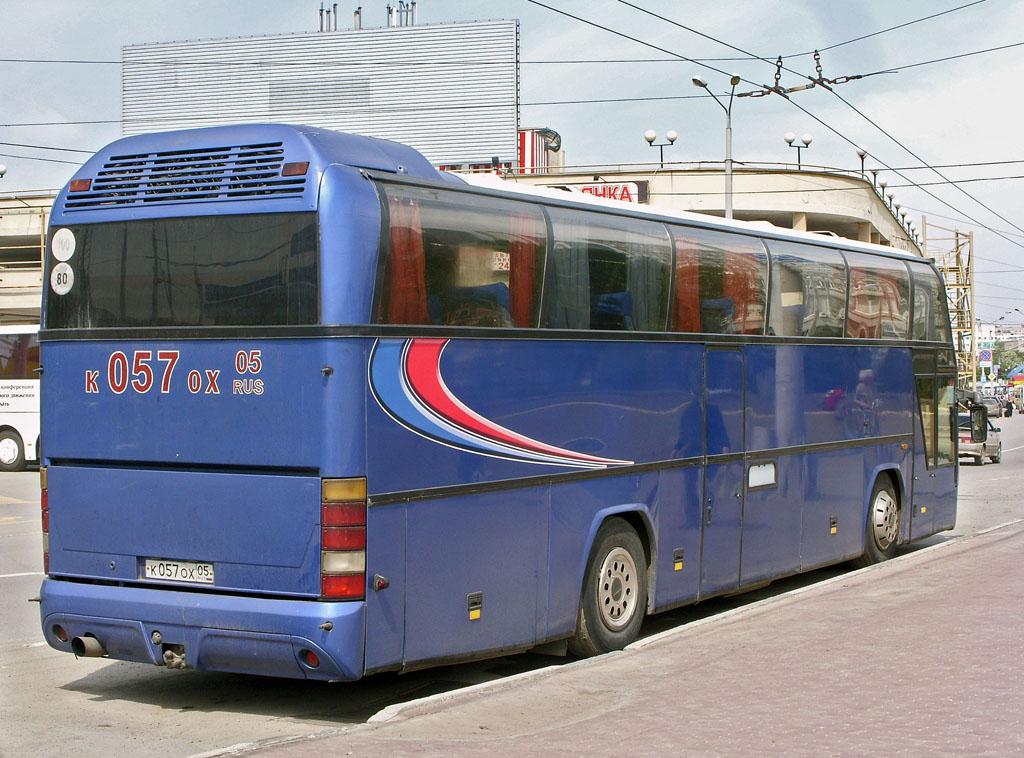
{"x":178,"y":571}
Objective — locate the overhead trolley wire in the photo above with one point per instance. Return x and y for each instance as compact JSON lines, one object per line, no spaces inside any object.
{"x":793,"y":55}
{"x":795,"y":104}
{"x":38,"y":158}
{"x":46,"y":147}
{"x":885,"y":31}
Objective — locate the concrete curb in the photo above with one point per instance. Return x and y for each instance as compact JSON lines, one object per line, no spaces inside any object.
{"x":791,"y":594}
{"x":395,"y":711}
{"x":401,"y":711}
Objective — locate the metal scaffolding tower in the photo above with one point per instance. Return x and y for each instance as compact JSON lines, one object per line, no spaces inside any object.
{"x":953,"y":252}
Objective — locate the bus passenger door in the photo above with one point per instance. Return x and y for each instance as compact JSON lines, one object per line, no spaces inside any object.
{"x":722,"y":516}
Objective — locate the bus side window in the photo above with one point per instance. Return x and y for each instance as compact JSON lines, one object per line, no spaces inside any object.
{"x":879,"y":297}
{"x":607,"y":272}
{"x":931,"y":317}
{"x":461,"y":260}
{"x":720,"y":283}
{"x":945,"y":419}
{"x":808,"y":290}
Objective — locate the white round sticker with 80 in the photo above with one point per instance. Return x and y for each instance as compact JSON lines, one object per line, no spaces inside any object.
{"x":62,"y":276}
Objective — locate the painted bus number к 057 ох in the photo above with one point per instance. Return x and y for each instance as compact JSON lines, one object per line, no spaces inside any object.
{"x":141,"y":374}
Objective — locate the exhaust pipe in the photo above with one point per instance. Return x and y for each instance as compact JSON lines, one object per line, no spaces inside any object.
{"x":87,"y":647}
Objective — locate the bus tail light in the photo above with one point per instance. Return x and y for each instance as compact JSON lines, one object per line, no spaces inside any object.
{"x":343,"y":539}
{"x":80,"y":185}
{"x":44,"y":503}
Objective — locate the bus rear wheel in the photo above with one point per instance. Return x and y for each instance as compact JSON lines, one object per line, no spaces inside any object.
{"x":614,"y":592}
{"x":883,"y":525}
{"x":12,"y":451}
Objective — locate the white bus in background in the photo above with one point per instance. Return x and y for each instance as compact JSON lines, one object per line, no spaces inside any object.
{"x":19,"y":396}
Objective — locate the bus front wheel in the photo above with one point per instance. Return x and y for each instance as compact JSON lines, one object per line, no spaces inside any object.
{"x":12,"y":451}
{"x":614,"y":596}
{"x":883,"y":525}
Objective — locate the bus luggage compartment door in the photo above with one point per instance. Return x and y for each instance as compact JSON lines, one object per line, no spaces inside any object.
{"x":722,"y":504}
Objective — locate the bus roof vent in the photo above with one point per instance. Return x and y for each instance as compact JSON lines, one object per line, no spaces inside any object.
{"x":211,"y":174}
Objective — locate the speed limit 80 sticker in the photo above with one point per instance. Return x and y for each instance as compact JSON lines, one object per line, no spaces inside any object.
{"x":62,"y":278}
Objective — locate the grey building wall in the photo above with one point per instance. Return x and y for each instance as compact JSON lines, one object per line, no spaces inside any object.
{"x":448,"y":90}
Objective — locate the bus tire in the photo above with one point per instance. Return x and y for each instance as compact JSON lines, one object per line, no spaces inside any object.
{"x":882,"y":530}
{"x":12,"y":451}
{"x":614,"y":598}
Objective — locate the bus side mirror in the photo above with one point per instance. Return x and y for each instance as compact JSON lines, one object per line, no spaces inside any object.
{"x":979,"y":423}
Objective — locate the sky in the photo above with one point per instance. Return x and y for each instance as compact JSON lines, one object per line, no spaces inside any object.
{"x":954,"y":114}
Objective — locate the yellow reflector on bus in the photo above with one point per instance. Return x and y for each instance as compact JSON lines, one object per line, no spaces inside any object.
{"x":343,"y":490}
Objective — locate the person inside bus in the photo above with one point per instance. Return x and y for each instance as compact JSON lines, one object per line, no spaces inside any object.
{"x":465,"y":286}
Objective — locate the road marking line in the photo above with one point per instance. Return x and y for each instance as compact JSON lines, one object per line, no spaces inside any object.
{"x":27,"y":573}
{"x":9,"y":520}
{"x":1011,"y":449}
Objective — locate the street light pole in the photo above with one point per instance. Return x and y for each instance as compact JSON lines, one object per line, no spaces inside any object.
{"x":700,"y":82}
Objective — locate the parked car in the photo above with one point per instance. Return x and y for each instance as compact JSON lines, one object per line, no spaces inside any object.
{"x":991,"y":448}
{"x":994,"y":405}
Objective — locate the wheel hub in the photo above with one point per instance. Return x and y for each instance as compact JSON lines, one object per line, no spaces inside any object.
{"x":8,"y":451}
{"x":618,"y":590}
{"x":884,"y":520}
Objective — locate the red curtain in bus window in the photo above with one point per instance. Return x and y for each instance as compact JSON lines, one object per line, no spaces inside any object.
{"x":523,"y":264}
{"x":740,"y":284}
{"x":686,"y":308}
{"x":405,"y":288}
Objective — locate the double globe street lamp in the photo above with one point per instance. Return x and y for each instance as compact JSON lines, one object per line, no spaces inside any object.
{"x":650,"y":135}
{"x":791,"y":138}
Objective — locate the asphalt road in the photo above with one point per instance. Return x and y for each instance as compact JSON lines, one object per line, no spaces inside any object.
{"x":105,"y":708}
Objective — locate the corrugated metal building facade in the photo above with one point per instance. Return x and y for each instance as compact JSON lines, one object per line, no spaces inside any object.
{"x":448,"y":90}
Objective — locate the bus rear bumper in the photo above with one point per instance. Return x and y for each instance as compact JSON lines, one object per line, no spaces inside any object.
{"x":269,"y":637}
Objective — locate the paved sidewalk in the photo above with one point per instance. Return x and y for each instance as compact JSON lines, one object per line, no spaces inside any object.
{"x":920,"y":656}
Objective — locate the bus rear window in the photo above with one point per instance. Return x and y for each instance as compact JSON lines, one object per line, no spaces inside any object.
{"x":245,"y":270}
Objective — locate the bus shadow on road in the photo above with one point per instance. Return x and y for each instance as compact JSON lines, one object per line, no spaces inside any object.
{"x":314,"y":702}
{"x":346,"y":703}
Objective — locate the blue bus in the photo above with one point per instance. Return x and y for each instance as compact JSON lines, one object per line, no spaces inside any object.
{"x":314,"y":409}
